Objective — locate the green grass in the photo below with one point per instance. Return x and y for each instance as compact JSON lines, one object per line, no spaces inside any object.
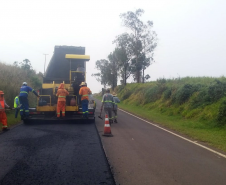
{"x":11,"y":120}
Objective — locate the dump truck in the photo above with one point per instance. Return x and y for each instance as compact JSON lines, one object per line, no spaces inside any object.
{"x":67,"y":66}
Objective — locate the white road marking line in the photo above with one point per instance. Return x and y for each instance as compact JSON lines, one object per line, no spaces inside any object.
{"x":194,"y":142}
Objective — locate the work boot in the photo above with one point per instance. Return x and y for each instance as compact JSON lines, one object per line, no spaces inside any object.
{"x":5,"y":129}
{"x":115,"y":121}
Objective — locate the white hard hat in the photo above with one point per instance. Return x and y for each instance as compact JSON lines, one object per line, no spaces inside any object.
{"x":24,"y":83}
{"x":83,"y":83}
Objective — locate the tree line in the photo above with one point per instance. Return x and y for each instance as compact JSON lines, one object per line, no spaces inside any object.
{"x":132,"y":55}
{"x":12,"y":77}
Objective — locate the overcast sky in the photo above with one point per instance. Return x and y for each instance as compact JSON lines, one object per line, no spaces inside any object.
{"x":191,"y":33}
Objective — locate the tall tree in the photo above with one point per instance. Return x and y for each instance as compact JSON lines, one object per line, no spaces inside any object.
{"x":142,"y":40}
{"x":104,"y":76}
{"x":123,"y":54}
{"x":26,"y":64}
{"x":114,"y":69}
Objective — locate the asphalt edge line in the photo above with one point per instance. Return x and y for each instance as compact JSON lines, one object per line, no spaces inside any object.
{"x":202,"y":146}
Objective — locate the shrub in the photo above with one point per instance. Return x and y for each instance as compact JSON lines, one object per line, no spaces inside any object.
{"x":221,"y":117}
{"x":183,"y":94}
{"x":152,"y":94}
{"x":11,"y":81}
{"x":167,"y":93}
{"x":216,"y":90}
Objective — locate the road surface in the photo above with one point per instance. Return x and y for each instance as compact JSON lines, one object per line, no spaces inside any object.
{"x":53,"y":153}
{"x":142,"y":154}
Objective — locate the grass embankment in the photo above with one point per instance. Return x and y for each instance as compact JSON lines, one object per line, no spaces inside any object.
{"x":11,"y":120}
{"x":12,"y":78}
{"x":195,"y":107}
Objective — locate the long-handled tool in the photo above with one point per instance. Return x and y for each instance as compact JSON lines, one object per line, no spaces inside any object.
{"x":100,"y":115}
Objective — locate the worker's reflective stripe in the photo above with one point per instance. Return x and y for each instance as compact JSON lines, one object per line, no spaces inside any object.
{"x":108,"y":101}
{"x":62,"y":96}
{"x":26,"y":110}
{"x":58,"y":113}
{"x":87,"y":111}
{"x":63,"y":112}
{"x":23,"y":92}
{"x":83,"y":112}
{"x":21,"y":110}
{"x":85,"y":95}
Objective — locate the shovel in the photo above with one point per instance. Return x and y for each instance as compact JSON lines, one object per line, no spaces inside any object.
{"x":100,"y":115}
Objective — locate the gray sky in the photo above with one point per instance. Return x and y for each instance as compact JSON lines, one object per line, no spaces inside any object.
{"x":191,"y":33}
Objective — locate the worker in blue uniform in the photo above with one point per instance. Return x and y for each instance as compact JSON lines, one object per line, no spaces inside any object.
{"x":24,"y":90}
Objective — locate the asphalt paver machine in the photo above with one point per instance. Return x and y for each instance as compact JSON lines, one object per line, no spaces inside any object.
{"x":67,"y":66}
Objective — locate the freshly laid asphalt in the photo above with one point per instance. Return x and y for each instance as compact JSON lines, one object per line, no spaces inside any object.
{"x":53,"y":153}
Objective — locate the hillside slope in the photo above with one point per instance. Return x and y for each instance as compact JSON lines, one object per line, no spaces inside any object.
{"x":194,"y":106}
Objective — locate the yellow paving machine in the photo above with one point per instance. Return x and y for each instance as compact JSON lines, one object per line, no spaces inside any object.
{"x":67,"y":66}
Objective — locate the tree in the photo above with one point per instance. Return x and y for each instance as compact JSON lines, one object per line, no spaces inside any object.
{"x":16,"y":64}
{"x":114,"y":69}
{"x":104,"y":76}
{"x":141,"y":40}
{"x":123,"y":55}
{"x":26,"y":64}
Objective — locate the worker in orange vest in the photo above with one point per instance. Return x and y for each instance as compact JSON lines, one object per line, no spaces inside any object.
{"x":3,"y":117}
{"x":84,"y":93}
{"x":61,"y":103}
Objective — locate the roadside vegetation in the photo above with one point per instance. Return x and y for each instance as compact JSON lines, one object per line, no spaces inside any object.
{"x":12,"y":77}
{"x":193,"y":106}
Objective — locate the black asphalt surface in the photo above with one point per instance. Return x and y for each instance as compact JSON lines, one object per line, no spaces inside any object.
{"x":53,"y":153}
{"x":142,"y":154}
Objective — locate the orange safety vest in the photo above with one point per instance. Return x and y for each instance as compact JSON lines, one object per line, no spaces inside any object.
{"x":84,"y":92}
{"x":62,"y":93}
{"x":2,"y":105}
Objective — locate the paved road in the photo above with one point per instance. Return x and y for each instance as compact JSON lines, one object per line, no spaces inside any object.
{"x":59,"y":153}
{"x":142,"y":154}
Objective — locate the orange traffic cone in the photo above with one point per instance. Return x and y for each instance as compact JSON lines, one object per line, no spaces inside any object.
{"x":107,"y":128}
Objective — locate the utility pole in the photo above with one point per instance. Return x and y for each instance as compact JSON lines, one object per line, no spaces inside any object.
{"x":45,"y":63}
